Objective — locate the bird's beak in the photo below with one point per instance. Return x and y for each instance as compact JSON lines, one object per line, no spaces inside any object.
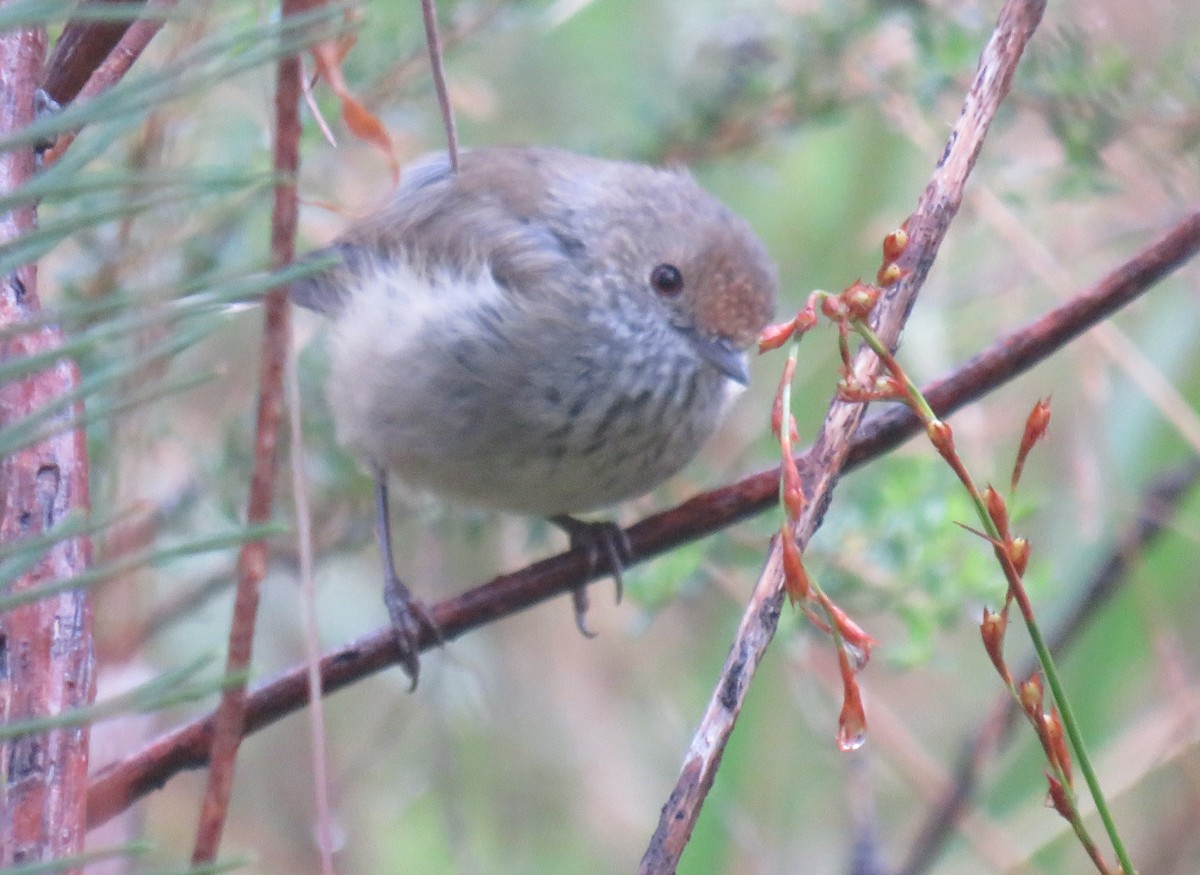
{"x":723,"y":355}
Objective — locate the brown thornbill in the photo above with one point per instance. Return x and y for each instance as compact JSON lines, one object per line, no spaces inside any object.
{"x":539,"y":332}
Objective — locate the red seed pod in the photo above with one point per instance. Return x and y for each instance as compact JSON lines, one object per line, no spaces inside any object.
{"x":1032,"y":694}
{"x":1057,"y":798}
{"x":992,"y":631}
{"x":849,"y":389}
{"x":806,"y":318}
{"x":1036,"y":425}
{"x":997,"y":510}
{"x":852,"y":721}
{"x":942,"y":438}
{"x":775,"y":336}
{"x":888,"y":388}
{"x":794,"y":574}
{"x":890,"y":274}
{"x":894,"y":244}
{"x":1038,"y":422}
{"x":1058,"y":743}
{"x":793,"y":436}
{"x":833,"y":308}
{"x":1018,"y":552}
{"x":860,"y":299}
{"x":793,"y":492}
{"x":853,"y":636}
{"x":777,"y":416}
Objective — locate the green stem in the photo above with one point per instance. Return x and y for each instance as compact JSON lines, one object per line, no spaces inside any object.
{"x":785,"y":420}
{"x":921,"y":407}
{"x":1072,"y":727}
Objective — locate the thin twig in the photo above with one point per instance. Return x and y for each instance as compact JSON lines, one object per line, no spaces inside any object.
{"x":252,"y":563}
{"x":399,"y":77}
{"x":434,"y":41}
{"x":120,"y":784}
{"x":308,"y":612}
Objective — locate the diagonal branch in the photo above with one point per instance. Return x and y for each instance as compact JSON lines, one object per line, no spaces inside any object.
{"x":103,"y":71}
{"x":927,"y":228}
{"x":84,"y":44}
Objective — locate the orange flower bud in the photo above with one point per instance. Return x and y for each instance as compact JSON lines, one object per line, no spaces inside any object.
{"x":992,"y":631}
{"x":806,"y":318}
{"x":942,"y":438}
{"x":795,"y":576}
{"x":849,"y":389}
{"x":852,"y":721}
{"x":856,"y":641}
{"x":833,"y":307}
{"x":1018,"y":552}
{"x":1058,"y":744}
{"x":1057,"y":798}
{"x":889,"y":274}
{"x":775,"y":336}
{"x":887,"y":388}
{"x":997,"y":510}
{"x":1032,"y":694}
{"x":894,"y":244}
{"x":1036,"y":425}
{"x":793,"y":492}
{"x":860,"y":299}
{"x":1038,"y":422}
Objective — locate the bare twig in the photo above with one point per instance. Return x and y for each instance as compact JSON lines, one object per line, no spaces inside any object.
{"x":464,"y":25}
{"x":926,"y":229}
{"x":434,"y":41}
{"x":252,"y":563}
{"x":46,"y":655}
{"x":1161,"y":501}
{"x":120,"y":784}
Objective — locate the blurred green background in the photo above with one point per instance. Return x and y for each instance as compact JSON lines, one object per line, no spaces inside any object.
{"x":528,"y":749}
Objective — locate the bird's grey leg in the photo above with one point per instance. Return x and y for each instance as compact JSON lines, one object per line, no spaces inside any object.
{"x":604,"y":538}
{"x":406,"y":612}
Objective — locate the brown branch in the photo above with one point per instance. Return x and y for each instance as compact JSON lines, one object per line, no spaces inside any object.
{"x":46,"y":656}
{"x":434,"y":42}
{"x":1159,"y":504}
{"x":927,"y":227}
{"x":252,"y":562}
{"x":101,"y":76}
{"x":464,"y":25}
{"x":82,"y":47}
{"x":118,"y":785}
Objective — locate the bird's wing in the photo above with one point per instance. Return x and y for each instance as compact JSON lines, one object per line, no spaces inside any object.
{"x":492,"y":212}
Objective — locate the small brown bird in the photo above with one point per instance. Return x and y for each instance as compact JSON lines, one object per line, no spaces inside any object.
{"x":538,"y":332}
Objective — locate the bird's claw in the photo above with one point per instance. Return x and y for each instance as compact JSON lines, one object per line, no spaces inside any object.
{"x":408,"y":616}
{"x":596,"y":539}
{"x":579,"y":601}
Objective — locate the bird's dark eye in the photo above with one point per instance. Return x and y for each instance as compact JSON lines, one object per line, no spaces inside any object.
{"x":667,"y":280}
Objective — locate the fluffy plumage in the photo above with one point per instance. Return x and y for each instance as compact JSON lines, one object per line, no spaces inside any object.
{"x":500,"y":340}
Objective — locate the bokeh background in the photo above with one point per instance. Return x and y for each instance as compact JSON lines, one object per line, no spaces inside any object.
{"x":528,"y":749}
